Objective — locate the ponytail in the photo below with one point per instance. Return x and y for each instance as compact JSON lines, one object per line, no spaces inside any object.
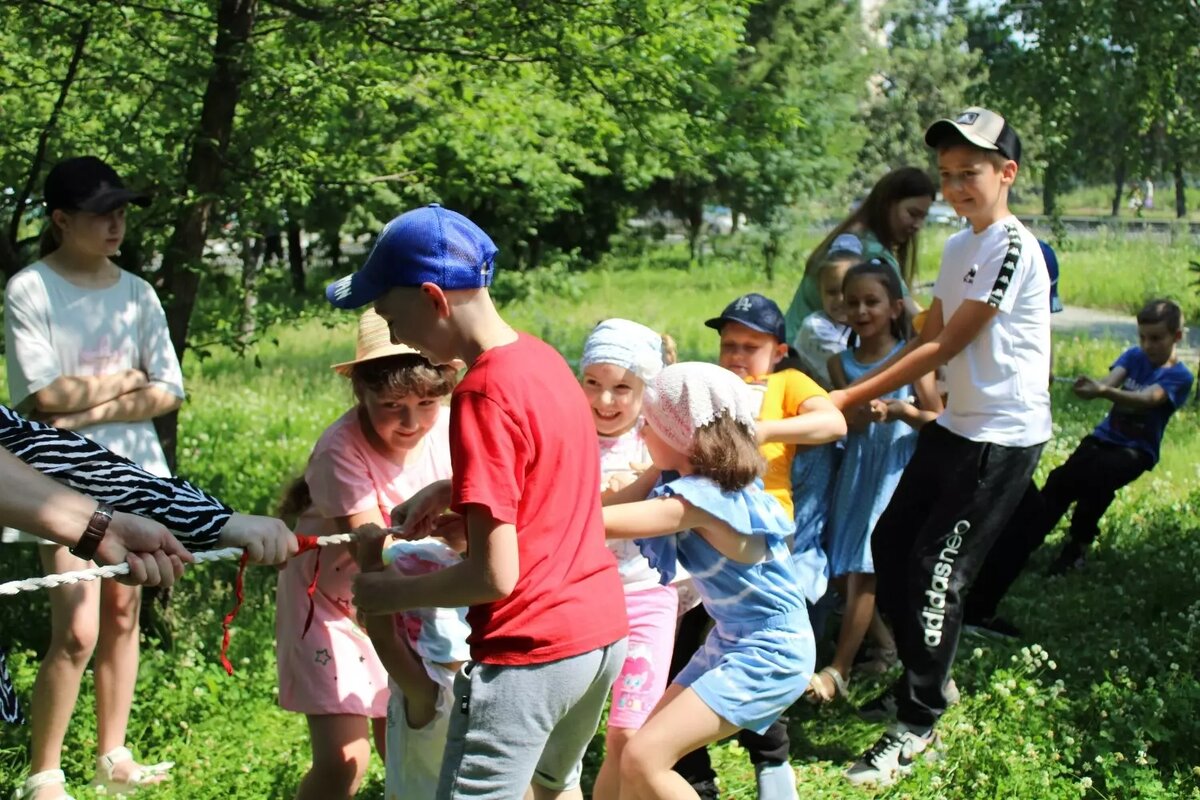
{"x":670,"y":351}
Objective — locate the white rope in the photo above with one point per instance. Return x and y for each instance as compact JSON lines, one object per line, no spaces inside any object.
{"x":113,"y":570}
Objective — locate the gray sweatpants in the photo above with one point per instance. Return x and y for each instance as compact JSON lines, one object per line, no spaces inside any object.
{"x":513,"y":725}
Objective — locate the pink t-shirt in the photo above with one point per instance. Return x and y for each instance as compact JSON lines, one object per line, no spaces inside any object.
{"x":347,"y":476}
{"x":333,"y":668}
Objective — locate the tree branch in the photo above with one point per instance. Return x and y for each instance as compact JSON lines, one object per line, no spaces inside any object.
{"x":14,"y":226}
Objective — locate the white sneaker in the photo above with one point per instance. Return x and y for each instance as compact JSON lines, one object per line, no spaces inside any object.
{"x":891,"y":757}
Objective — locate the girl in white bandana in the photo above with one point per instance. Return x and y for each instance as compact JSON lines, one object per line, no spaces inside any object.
{"x":619,"y":358}
{"x":710,"y":514}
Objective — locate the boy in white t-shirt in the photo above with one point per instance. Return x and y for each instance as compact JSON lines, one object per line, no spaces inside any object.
{"x":989,"y":324}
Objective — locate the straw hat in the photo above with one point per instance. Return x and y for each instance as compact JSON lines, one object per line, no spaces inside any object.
{"x":374,"y":341}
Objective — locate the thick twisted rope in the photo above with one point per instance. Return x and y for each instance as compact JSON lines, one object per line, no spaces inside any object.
{"x":114,"y":570}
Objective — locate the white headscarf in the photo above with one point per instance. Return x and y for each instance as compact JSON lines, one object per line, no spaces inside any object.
{"x":688,"y":396}
{"x":624,"y":344}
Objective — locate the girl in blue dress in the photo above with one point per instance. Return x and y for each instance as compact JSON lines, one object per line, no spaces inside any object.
{"x":880,"y":442}
{"x":710,"y":514}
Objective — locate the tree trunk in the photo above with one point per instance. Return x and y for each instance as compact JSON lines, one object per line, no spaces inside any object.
{"x":252,"y":256}
{"x":335,"y":251}
{"x":1180,"y":190}
{"x":295,"y":253}
{"x":1119,"y":188}
{"x":180,"y":274}
{"x":1049,"y":190}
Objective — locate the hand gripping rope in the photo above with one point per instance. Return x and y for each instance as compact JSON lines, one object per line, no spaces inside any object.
{"x":224,"y":554}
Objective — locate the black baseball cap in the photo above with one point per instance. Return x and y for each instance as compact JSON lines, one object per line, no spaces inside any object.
{"x":88,"y":184}
{"x":756,"y":312}
{"x":978,"y":126}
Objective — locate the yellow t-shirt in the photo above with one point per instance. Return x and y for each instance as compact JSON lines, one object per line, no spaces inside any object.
{"x":782,"y":395}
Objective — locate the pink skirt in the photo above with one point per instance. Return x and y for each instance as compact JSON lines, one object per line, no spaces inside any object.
{"x":333,"y":669}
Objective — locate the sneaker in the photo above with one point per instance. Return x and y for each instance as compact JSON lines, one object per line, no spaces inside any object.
{"x":891,"y":757}
{"x":776,"y":782}
{"x":1072,"y":557}
{"x":993,"y":627}
{"x":707,"y":790}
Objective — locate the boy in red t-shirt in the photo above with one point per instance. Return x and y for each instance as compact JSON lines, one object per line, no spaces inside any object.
{"x":547,"y":612}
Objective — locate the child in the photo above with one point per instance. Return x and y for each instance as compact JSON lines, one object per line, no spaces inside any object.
{"x":547,"y":612}
{"x":376,"y":455}
{"x":619,"y":358}
{"x":823,"y":333}
{"x":89,"y":350}
{"x":790,"y":410}
{"x":716,"y":521}
{"x":877,"y":450}
{"x":1146,"y":385}
{"x":421,"y":651}
{"x":989,"y":323}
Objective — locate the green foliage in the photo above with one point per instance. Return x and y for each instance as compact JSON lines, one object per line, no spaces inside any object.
{"x":1100,"y":707}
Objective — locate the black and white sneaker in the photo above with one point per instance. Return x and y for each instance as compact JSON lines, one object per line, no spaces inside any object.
{"x":892,"y":757}
{"x":992,"y":627}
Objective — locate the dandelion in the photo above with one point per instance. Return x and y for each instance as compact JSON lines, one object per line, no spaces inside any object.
{"x":1085,"y":783}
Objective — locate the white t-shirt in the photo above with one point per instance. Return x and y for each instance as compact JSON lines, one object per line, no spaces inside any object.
{"x":819,"y":338}
{"x":53,"y":327}
{"x":998,"y":384}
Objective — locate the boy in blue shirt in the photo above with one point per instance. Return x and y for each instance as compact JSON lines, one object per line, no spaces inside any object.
{"x":1146,"y":384}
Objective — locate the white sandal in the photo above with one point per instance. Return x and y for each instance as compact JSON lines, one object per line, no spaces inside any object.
{"x":140,"y":778}
{"x":37,"y":781}
{"x":840,"y":687}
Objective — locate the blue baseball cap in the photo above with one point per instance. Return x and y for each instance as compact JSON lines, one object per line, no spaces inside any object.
{"x":426,"y":245}
{"x":756,"y":312}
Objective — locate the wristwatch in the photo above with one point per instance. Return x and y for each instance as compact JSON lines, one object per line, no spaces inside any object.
{"x":85,"y":548}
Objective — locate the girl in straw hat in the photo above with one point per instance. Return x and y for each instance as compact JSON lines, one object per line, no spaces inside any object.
{"x":374,"y":457}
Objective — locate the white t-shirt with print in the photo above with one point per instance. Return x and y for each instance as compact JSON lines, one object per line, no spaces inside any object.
{"x":998,"y":384}
{"x":53,"y":327}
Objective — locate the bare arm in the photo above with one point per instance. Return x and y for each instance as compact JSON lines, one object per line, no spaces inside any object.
{"x":929,"y":404}
{"x":68,"y":394}
{"x":933,"y":349}
{"x":488,"y":573}
{"x":819,"y":422}
{"x":135,"y":406}
{"x":1108,"y":388}
{"x":662,"y":516}
{"x":635,"y":491}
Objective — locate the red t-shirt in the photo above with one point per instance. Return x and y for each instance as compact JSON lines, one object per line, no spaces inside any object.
{"x":523,"y":445}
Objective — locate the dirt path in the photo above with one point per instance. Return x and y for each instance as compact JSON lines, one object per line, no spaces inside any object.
{"x":1098,"y":323}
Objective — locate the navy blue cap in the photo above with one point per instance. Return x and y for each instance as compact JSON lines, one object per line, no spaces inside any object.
{"x":756,"y":312}
{"x":426,"y":245}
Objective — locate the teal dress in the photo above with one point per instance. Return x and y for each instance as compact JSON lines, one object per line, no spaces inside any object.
{"x":871,"y":467}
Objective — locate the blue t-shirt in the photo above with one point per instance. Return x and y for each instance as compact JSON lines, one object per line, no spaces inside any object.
{"x":1143,"y":430}
{"x":1056,"y":304}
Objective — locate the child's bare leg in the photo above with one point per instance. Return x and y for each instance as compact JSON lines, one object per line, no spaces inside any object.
{"x":860,"y":610}
{"x":341,"y":752}
{"x":536,"y":792}
{"x":881,"y":634}
{"x":608,"y":780}
{"x":680,"y":723}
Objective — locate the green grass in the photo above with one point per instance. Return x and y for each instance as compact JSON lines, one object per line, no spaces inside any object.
{"x":1096,"y":201}
{"x":1117,"y":709}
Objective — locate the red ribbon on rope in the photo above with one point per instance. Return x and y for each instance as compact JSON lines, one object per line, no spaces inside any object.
{"x":306,"y":543}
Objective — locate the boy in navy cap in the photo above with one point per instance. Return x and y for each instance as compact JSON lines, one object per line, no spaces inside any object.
{"x":793,"y":410}
{"x":547,"y":612}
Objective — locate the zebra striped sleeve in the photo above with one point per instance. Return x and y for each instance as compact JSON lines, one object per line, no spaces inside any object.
{"x":95,"y":471}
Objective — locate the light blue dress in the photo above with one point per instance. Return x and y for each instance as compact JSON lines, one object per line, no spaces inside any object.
{"x":871,"y":467}
{"x":760,"y":655}
{"x":814,"y":470}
